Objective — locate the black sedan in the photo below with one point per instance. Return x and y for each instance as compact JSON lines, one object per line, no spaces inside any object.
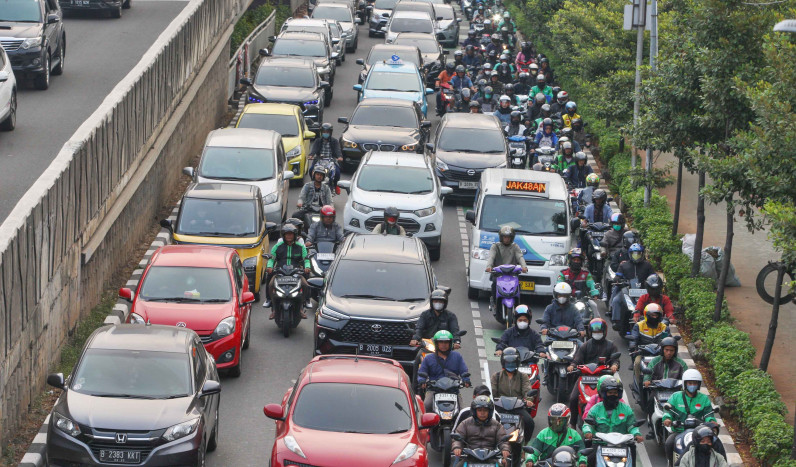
{"x":144,"y":395}
{"x":393,"y":125}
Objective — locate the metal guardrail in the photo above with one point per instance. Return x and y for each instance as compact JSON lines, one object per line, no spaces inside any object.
{"x":241,"y":62}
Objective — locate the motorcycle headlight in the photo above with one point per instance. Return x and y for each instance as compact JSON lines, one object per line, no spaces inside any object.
{"x":295,"y":152}
{"x":181,"y":430}
{"x":407,"y":453}
{"x":480,"y":253}
{"x":270,"y":198}
{"x":225,"y":327}
{"x":514,"y":435}
{"x":135,"y":318}
{"x":441,"y":166}
{"x":409,"y":147}
{"x":66,"y":425}
{"x":331,"y":314}
{"x":580,"y":306}
{"x":250,"y":264}
{"x":426,"y":212}
{"x":558,"y":260}
{"x":30,"y":42}
{"x":292,"y":444}
{"x":361,"y":208}
{"x":349,"y":144}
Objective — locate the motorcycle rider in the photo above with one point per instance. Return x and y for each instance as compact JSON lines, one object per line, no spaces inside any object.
{"x":465,"y":413}
{"x":595,"y":399}
{"x":504,"y":251}
{"x":327,"y":230}
{"x":557,"y":434}
{"x":544,"y":68}
{"x":570,"y":114}
{"x":482,"y":431}
{"x":471,"y":41}
{"x":475,"y":107}
{"x":494,"y":81}
{"x":586,"y":196}
{"x":622,"y":254}
{"x":541,"y":86}
{"x":576,"y":276}
{"x":509,"y":382}
{"x":637,"y":268}
{"x":437,"y":318}
{"x":487,"y":100}
{"x":515,"y":126}
{"x":546,"y":137}
{"x":591,"y":351}
{"x":558,"y":106}
{"x":505,"y":70}
{"x":613,"y":238}
{"x":508,"y":89}
{"x":503,"y":112}
{"x":649,"y":330}
{"x":524,"y":57}
{"x":444,"y":77}
{"x":287,"y":252}
{"x":523,"y":84}
{"x":327,"y":147}
{"x":565,"y":134}
{"x":464,"y":103}
{"x":577,"y":173}
{"x":535,"y":108}
{"x":611,"y":416}
{"x":702,"y":452}
{"x":508,"y":23}
{"x":484,"y":75}
{"x":578,"y":132}
{"x":562,"y":312}
{"x":599,"y":210}
{"x":458,"y":56}
{"x":460,"y":80}
{"x":688,"y":401}
{"x":566,"y":159}
{"x":390,"y":224}
{"x":314,"y":195}
{"x":654,"y":295}
{"x":495,"y":45}
{"x":666,"y":365}
{"x":521,"y":334}
{"x":436,"y":364}
{"x":471,"y":60}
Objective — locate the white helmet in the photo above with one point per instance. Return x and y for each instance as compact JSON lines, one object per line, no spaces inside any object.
{"x":692,"y":375}
{"x":504,"y":98}
{"x":562,"y":288}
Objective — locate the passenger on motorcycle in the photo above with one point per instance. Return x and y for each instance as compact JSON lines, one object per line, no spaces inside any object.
{"x":596,"y":347}
{"x":287,"y":252}
{"x":465,"y":413}
{"x":436,"y":364}
{"x":327,"y":147}
{"x":570,"y":114}
{"x":458,"y":58}
{"x":655,"y":295}
{"x":515,"y":126}
{"x":390,"y":224}
{"x":475,"y":107}
{"x":544,"y":68}
{"x":484,"y":75}
{"x":495,"y":46}
{"x":463,"y":105}
{"x":482,"y":431}
{"x":505,"y":71}
{"x":509,"y":90}
{"x":596,"y":399}
{"x":637,"y":268}
{"x":504,"y":251}
{"x":541,"y":86}
{"x":435,"y":319}
{"x":622,"y":254}
{"x":703,"y":452}
{"x":471,"y":60}
{"x":599,"y":210}
{"x":558,"y":106}
{"x":471,"y":40}
{"x":521,"y":334}
{"x":611,"y":415}
{"x":314,"y":194}
{"x":650,"y":329}
{"x":327,"y":230}
{"x":546,"y":137}
{"x":557,"y":434}
{"x":523,"y":85}
{"x":494,"y":81}
{"x":535,"y":107}
{"x":524,"y":57}
{"x":546,"y":115}
{"x":578,"y":132}
{"x":578,"y":278}
{"x":566,"y":135}
{"x":562,"y":312}
{"x":503,"y":112}
{"x":443,"y":78}
{"x":509,"y":382}
{"x":688,"y":401}
{"x":592,"y":183}
{"x":613,"y":238}
{"x":566,"y":159}
{"x":577,"y":173}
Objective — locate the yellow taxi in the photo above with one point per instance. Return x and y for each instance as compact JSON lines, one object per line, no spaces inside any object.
{"x":229,"y":215}
{"x":287,"y":120}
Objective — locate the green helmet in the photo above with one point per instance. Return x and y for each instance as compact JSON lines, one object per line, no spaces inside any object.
{"x":442,"y":335}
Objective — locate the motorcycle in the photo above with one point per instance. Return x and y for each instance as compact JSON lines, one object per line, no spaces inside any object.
{"x":321,"y":255}
{"x":648,"y":350}
{"x":561,"y":347}
{"x":615,"y":449}
{"x":288,"y":298}
{"x":594,"y":234}
{"x":588,"y":376}
{"x":567,"y":459}
{"x":449,"y":97}
{"x":519,"y":156}
{"x":683,"y":441}
{"x":309,"y":215}
{"x":659,"y":392}
{"x":575,"y":202}
{"x":507,"y":292}
{"x":479,"y":457}
{"x":446,"y":405}
{"x":331,"y":171}
{"x":584,"y":305}
{"x":547,"y":157}
{"x":510,"y":417}
{"x":631,"y":292}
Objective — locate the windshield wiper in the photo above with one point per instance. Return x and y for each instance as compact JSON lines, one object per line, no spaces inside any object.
{"x":237,"y":179}
{"x":171,"y":299}
{"x":419,"y":192}
{"x":215,"y":300}
{"x":175,"y":396}
{"x":408,"y":299}
{"x":394,"y":90}
{"x":243,"y":234}
{"x":124,"y":396}
{"x":372,"y":297}
{"x":397,"y":431}
{"x":467,"y":150}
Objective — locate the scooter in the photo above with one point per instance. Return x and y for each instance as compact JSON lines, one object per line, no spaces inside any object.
{"x":530,"y":368}
{"x":321,"y":255}
{"x":288,"y":298}
{"x":631,"y":292}
{"x":589,"y":375}
{"x":561,"y":456}
{"x":510,"y":409}
{"x":594,"y":235}
{"x":659,"y":392}
{"x":309,"y":215}
{"x":507,"y":290}
{"x":684,"y":440}
{"x":446,"y":405}
{"x":649,"y":348}
{"x":561,"y":347}
{"x":519,"y":155}
{"x":584,"y":305}
{"x":480,"y":457}
{"x":615,"y":449}
{"x":546,"y":156}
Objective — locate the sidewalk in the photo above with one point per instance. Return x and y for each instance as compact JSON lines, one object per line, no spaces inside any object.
{"x":750,"y":253}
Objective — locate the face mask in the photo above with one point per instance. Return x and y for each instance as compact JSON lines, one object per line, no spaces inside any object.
{"x":704,"y":448}
{"x":611,"y":402}
{"x":617,"y":227}
{"x":654,"y":321}
{"x":562,"y":300}
{"x":438,"y":305}
{"x":692,"y":388}
{"x":326,"y":136}
{"x":635,"y":256}
{"x":511,"y":367}
{"x":597,"y":336}
{"x":522,"y":325}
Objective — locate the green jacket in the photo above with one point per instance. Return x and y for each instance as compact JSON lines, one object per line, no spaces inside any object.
{"x":561,"y":165}
{"x":621,"y":420}
{"x":547,"y":91}
{"x":282,"y":253}
{"x":682,"y":405}
{"x":548,"y":441}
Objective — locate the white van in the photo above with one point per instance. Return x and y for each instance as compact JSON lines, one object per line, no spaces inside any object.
{"x":536,"y":205}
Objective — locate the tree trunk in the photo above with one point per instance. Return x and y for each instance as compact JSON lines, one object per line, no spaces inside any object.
{"x":700,"y":231}
{"x":772,"y":325}
{"x":676,"y":223}
{"x":725,"y":267}
{"x":793,"y":448}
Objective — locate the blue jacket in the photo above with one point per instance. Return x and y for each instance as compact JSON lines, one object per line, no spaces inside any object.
{"x":552,"y":137}
{"x":577,"y":175}
{"x":528,"y":338}
{"x":606,"y":215}
{"x":558,"y":315}
{"x":459,"y":83}
{"x":435,"y":366}
{"x":471,"y":60}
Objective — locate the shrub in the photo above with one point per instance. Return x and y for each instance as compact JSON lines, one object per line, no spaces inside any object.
{"x":698,"y":298}
{"x":772,"y":439}
{"x":730,"y":353}
{"x":676,"y":267}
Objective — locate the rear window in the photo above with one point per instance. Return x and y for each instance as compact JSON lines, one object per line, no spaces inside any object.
{"x":411,"y":25}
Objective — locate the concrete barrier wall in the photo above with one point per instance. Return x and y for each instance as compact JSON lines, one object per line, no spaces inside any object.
{"x":70,"y":233}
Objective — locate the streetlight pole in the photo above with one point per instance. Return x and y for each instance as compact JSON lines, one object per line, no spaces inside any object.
{"x":653,"y":66}
{"x":640,"y":16}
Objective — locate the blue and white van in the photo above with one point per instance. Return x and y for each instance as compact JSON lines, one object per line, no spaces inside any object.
{"x":536,"y":205}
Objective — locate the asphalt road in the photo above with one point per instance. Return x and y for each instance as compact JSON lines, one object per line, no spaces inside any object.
{"x":272,"y":362}
{"x":100,"y":52}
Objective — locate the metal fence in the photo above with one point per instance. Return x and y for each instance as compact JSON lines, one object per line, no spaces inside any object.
{"x":241,"y":62}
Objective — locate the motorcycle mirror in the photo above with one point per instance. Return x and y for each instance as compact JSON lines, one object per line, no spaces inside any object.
{"x":616,"y":355}
{"x":540,"y":321}
{"x":529,"y":449}
{"x":423,"y":375}
{"x":533,"y":393}
{"x":586,"y":451}
{"x":647,"y":371}
{"x":315,"y":282}
{"x":640,"y":422}
{"x":445,"y":289}
{"x":465,"y":375}
{"x":267,"y":255}
{"x":462,"y":332}
{"x":496,"y":340}
{"x":574,"y":224}
{"x":677,"y":337}
{"x":508,"y":437}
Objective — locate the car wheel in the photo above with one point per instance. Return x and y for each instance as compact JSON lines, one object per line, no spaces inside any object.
{"x":42,"y":82}
{"x":236,"y":370}
{"x":434,"y":253}
{"x":117,"y":11}
{"x":248,"y":334}
{"x":127,"y":4}
{"x":11,"y":121}
{"x":200,"y":455}
{"x":472,"y":293}
{"x":213,"y":443}
{"x":59,"y":69}
{"x":371,"y":34}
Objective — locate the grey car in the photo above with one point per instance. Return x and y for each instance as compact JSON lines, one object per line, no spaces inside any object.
{"x":447,"y":25}
{"x":382,"y":10}
{"x":342,"y":14}
{"x":328,"y":28}
{"x":311,"y":46}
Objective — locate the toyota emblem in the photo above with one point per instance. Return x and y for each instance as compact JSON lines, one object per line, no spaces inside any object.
{"x":181,"y":324}
{"x":121,"y":438}
{"x":471,"y":172}
{"x":376,"y":327}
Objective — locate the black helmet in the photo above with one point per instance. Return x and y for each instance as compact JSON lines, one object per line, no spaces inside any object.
{"x":482,"y":402}
{"x":701,"y":432}
{"x":506,"y":231}
{"x":547,"y":122}
{"x":481,"y":390}
{"x":471,"y":32}
{"x":319,"y":169}
{"x":525,"y":45}
{"x":654,"y":284}
{"x":609,"y":384}
{"x":508,"y":87}
{"x":577,"y":122}
{"x":475,"y":104}
{"x":470,"y":47}
{"x":544,"y":60}
{"x":450,"y":66}
{"x":439,"y":295}
{"x":460,"y":69}
{"x":618,"y":219}
{"x":628,"y":239}
{"x":392,"y":211}
{"x":326,"y":128}
{"x":289,"y":228}
{"x":510,"y":359}
{"x":516,"y":114}
{"x":599,"y":194}
{"x":669,"y":342}
{"x":563,"y":456}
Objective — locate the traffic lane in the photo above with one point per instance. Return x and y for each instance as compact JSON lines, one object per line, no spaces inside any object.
{"x":99,"y":53}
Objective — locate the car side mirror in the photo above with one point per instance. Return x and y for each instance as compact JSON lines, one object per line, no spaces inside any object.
{"x":188,"y":171}
{"x":126,"y":294}
{"x":429,"y":91}
{"x":335,"y":55}
{"x":425,"y":124}
{"x":315,"y":282}
{"x":360,"y":61}
{"x":246,"y":81}
{"x":52,"y":18}
{"x":270,"y":227}
{"x":574,"y":224}
{"x":288,"y":174}
{"x":345,"y":184}
{"x":458,"y":20}
{"x":166,"y":224}
{"x":469,"y":216}
{"x":56,"y":380}
{"x":274,"y":411}
{"x":445,"y":191}
{"x":445,"y":52}
{"x":248,"y":297}
{"x":358,"y":87}
{"x":428,"y":420}
{"x":430,"y":147}
{"x":463,"y":332}
{"x":264,"y":52}
{"x":3,"y":76}
{"x":212,"y":387}
{"x":325,"y":84}
{"x":309,"y":135}
{"x":343,"y":120}
{"x":335,"y":40}
{"x":358,"y":20}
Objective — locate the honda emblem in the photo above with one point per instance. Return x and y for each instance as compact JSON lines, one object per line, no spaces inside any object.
{"x":181,"y":324}
{"x":376,"y":327}
{"x":471,"y":172}
{"x":121,"y":438}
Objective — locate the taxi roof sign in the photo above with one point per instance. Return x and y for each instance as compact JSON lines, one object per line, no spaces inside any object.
{"x":525,"y":187}
{"x":394,"y":60}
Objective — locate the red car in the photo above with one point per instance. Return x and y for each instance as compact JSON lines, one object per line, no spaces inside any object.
{"x":203,"y":288}
{"x":351,"y":411}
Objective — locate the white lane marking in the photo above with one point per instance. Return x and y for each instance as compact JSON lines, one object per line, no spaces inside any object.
{"x":33,"y":458}
{"x":642,"y":454}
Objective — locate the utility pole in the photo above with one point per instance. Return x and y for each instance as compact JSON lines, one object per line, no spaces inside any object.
{"x":639,"y":19}
{"x":653,"y":66}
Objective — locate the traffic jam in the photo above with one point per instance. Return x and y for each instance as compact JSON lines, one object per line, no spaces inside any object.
{"x":345,"y":238}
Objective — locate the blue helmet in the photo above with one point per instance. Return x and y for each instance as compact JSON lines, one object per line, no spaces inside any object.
{"x":636,"y":252}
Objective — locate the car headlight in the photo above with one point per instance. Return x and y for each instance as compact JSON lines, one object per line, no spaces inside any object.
{"x":407,"y":453}
{"x":480,"y":253}
{"x":361,"y":207}
{"x":426,"y":212}
{"x":349,"y":144}
{"x":225,"y":327}
{"x":295,"y":152}
{"x":66,"y":425}
{"x":409,"y":147}
{"x":270,"y":198}
{"x":30,"y":42}
{"x":332,"y":315}
{"x":558,"y":260}
{"x":135,"y":318}
{"x":441,"y":166}
{"x":181,"y":430}
{"x":312,"y":102}
{"x":292,"y":444}
{"x":250,"y":264}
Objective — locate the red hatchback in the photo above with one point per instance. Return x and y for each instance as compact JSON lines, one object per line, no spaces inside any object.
{"x":351,"y":411}
{"x":203,"y":288}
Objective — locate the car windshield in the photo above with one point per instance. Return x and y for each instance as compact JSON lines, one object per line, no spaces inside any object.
{"x":425,"y":46}
{"x":20,"y":11}
{"x":377,"y":115}
{"x":285,"y":125}
{"x":353,"y":408}
{"x":218,"y":218}
{"x":133,"y":374}
{"x":528,"y":215}
{"x":386,"y":54}
{"x":190,"y":284}
{"x":299,"y":48}
{"x":445,"y":13}
{"x":395,"y":179}
{"x":339,"y":13}
{"x":246,"y":164}
{"x":380,"y":280}
{"x":411,"y":25}
{"x":385,"y":4}
{"x":470,"y":140}
{"x":285,"y":77}
{"x":387,"y":81}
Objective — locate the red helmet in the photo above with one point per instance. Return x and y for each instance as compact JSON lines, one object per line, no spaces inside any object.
{"x":328,"y":211}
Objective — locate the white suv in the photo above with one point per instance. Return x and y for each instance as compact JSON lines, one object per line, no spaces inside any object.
{"x":405,"y":181}
{"x":8,"y":94}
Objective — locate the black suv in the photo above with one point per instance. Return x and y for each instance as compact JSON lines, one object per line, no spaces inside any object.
{"x":33,"y":34}
{"x":373,"y":295}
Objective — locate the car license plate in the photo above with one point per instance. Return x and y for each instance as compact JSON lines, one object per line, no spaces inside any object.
{"x":614,"y":451}
{"x":444,"y":396}
{"x":528,"y":285}
{"x":118,"y":456}
{"x":376,"y":350}
{"x":508,"y":418}
{"x":468,"y":185}
{"x":636,"y":293}
{"x":325,"y":256}
{"x":562,"y":345}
